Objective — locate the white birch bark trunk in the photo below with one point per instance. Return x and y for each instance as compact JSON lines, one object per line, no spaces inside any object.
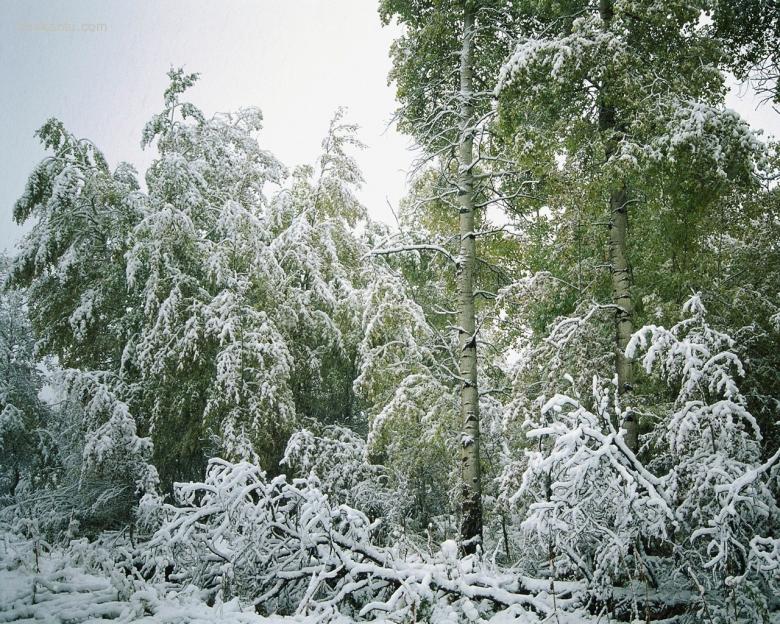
{"x":619,"y":267}
{"x":621,"y":297}
{"x":471,"y":519}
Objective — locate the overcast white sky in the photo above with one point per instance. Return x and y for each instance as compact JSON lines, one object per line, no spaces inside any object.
{"x":298,"y":60}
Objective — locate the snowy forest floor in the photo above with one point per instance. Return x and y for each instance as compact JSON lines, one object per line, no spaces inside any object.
{"x":62,"y":592}
{"x":63,"y":586}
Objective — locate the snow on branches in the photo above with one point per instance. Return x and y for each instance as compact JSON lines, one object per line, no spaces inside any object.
{"x":289,"y":549}
{"x":597,"y":511}
{"x":717,"y":477}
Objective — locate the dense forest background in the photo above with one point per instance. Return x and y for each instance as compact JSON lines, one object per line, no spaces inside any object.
{"x":549,"y":392}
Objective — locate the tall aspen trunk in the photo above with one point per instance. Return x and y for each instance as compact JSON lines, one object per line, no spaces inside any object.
{"x":621,"y":297}
{"x":619,"y":269}
{"x":471,"y":520}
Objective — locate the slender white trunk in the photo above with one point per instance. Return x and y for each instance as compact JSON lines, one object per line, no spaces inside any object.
{"x":471,"y":520}
{"x":619,"y":268}
{"x":621,"y":297}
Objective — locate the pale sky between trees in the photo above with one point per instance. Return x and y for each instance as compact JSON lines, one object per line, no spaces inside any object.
{"x":297,"y":60}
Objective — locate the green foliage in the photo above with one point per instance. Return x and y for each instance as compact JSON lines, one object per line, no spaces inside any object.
{"x":22,"y":413}
{"x":751,"y":30}
{"x":216,"y":314}
{"x":72,"y":260}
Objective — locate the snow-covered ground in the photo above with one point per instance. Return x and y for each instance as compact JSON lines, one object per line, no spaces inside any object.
{"x":61,"y":593}
{"x":57,"y":588}
{"x":64,"y":591}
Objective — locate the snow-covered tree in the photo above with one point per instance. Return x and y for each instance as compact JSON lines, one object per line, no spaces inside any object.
{"x":404,"y":382}
{"x":321,"y":258}
{"x":210,"y":361}
{"x":216,"y":314}
{"x":72,"y":260}
{"x":444,"y":66}
{"x":22,"y":413}
{"x":608,"y":96}
{"x":689,"y":515}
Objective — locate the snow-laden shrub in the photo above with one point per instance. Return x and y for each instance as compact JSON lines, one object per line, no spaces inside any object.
{"x":591,"y":505}
{"x":286,"y":548}
{"x":703,"y":518}
{"x":99,"y":476}
{"x":239,"y":533}
{"x":724,"y":506}
{"x":338,"y":457}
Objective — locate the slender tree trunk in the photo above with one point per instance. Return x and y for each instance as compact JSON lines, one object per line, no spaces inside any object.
{"x":621,"y":297}
{"x":471,"y":520}
{"x":619,"y":269}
